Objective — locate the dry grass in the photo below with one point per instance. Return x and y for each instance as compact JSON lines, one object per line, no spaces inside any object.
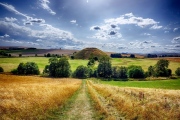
{"x":31,"y":97}
{"x":141,"y":103}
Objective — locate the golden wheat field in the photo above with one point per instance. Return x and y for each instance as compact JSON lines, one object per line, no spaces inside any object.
{"x":31,"y":97}
{"x":136,"y":103}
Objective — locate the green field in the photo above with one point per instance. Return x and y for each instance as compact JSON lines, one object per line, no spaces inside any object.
{"x":10,"y":63}
{"x":159,"y":84}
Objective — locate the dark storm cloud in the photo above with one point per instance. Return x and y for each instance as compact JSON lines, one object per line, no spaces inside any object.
{"x":96,"y":28}
{"x":112,"y":33}
{"x":113,"y":26}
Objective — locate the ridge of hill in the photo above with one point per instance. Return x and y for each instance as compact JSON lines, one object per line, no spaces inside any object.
{"x":88,"y":52}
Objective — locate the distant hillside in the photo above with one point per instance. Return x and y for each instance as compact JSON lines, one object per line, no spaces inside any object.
{"x":87,"y":52}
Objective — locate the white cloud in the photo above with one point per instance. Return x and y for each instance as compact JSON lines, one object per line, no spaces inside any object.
{"x":147,"y":34}
{"x":11,"y":19}
{"x":166,"y":31}
{"x":175,"y":29}
{"x":44,"y":5}
{"x":73,"y":21}
{"x":5,"y":36}
{"x":176,"y":40}
{"x":12,"y":9}
{"x":45,"y":35}
{"x":29,"y":20}
{"x":129,"y":18}
{"x":106,"y":31}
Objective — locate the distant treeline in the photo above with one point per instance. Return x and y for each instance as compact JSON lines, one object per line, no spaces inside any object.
{"x":118,"y":55}
{"x":155,"y":55}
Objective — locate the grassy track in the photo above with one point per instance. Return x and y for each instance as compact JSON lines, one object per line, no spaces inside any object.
{"x":10,"y":63}
{"x":160,"y":84}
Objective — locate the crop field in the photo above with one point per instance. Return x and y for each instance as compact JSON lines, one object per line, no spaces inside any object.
{"x":10,"y":63}
{"x":117,"y":103}
{"x":31,"y":97}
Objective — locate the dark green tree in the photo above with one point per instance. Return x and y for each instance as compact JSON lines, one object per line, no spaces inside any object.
{"x":161,"y":68}
{"x":132,"y":56}
{"x":135,"y":72}
{"x":82,"y":72}
{"x":119,"y":72}
{"x":29,"y":68}
{"x":177,"y":71}
{"x":59,"y":68}
{"x":1,"y":69}
{"x":104,"y":68}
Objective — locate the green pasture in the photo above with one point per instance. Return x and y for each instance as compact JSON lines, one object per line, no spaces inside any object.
{"x":144,"y":63}
{"x":10,"y":63}
{"x":158,"y":84}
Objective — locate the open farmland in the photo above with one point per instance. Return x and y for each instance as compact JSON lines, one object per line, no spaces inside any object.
{"x":31,"y":97}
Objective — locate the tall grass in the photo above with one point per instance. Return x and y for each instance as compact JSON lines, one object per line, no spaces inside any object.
{"x":142,"y":103}
{"x":31,"y":97}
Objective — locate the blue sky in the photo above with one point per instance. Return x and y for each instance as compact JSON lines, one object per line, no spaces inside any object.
{"x":136,"y":26}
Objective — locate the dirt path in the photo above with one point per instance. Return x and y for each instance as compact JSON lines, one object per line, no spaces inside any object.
{"x":81,"y":108}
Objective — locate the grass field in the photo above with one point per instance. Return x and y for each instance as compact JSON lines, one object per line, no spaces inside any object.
{"x":32,"y":97}
{"x":158,"y":84}
{"x":10,"y":63}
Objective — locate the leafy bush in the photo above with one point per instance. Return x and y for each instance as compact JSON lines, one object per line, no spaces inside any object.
{"x":82,"y":72}
{"x":177,"y":71}
{"x":119,"y":72}
{"x":29,"y":68}
{"x":14,"y":71}
{"x":135,"y":72}
{"x":1,"y":69}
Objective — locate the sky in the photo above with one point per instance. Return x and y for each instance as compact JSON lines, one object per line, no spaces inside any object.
{"x":133,"y":26}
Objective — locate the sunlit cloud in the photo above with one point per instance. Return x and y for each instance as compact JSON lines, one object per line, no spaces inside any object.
{"x":44,"y":5}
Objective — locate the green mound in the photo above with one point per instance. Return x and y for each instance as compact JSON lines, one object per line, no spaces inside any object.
{"x":89,"y":52}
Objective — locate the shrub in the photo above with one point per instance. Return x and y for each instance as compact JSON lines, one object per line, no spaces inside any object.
{"x":1,"y":69}
{"x":177,"y":71}
{"x":29,"y":68}
{"x":14,"y":71}
{"x":82,"y":72}
{"x":135,"y":72}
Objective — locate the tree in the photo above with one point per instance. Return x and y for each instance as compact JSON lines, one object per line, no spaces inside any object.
{"x":161,"y":68}
{"x":132,"y":56}
{"x":177,"y":71}
{"x":82,"y":72}
{"x":119,"y":72}
{"x":91,"y":62}
{"x":1,"y":69}
{"x":135,"y":72}
{"x":59,"y":68}
{"x":104,"y":68}
{"x":150,"y":71}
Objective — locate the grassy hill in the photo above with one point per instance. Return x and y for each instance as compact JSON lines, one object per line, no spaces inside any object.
{"x":87,"y":52}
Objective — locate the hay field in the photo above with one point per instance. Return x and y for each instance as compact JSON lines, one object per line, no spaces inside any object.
{"x":32,"y":97}
{"x":136,"y":103}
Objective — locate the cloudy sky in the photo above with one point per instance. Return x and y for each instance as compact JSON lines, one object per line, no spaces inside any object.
{"x":142,"y":26}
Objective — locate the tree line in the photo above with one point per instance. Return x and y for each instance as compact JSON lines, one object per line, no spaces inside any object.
{"x":60,"y":67}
